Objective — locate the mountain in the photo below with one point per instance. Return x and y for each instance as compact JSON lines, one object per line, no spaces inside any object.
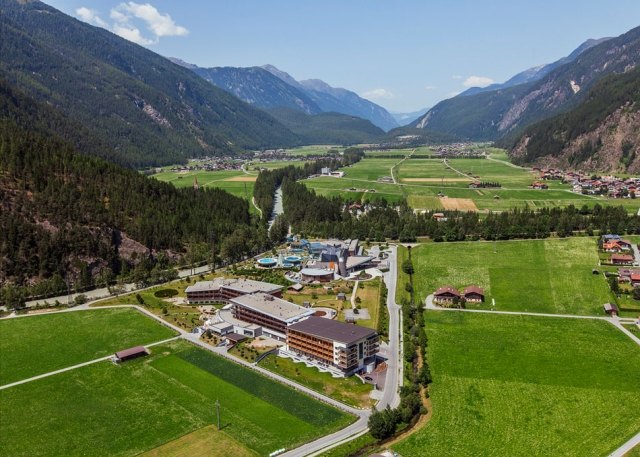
{"x":257,"y":87}
{"x":144,"y":108}
{"x":331,"y":99}
{"x":536,"y":73}
{"x":491,"y":115}
{"x":64,"y":213}
{"x":407,"y":118}
{"x":328,"y":128}
{"x":601,"y":134}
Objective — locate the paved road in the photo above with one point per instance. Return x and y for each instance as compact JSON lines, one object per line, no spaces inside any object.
{"x":103,"y":292}
{"x":626,"y":447}
{"x":615,"y":321}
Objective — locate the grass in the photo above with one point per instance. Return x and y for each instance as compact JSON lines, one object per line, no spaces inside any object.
{"x":106,"y":409}
{"x":546,"y":276}
{"x":207,"y":441}
{"x":522,"y":385}
{"x":39,"y":344}
{"x":370,"y":300}
{"x":515,"y":181}
{"x":350,"y":448}
{"x":347,"y":390}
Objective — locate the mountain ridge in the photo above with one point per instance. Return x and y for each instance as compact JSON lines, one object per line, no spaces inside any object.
{"x":488,"y":116}
{"x":112,"y":86}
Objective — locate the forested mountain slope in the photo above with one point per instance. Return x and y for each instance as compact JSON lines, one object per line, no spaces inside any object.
{"x":491,"y":115}
{"x":601,"y":134}
{"x":144,"y":108}
{"x":66,"y":214}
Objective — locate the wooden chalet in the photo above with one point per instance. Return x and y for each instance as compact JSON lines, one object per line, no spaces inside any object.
{"x":446,"y":295}
{"x":610,"y":309}
{"x":131,"y":353}
{"x":622,"y":259}
{"x":473,"y":294}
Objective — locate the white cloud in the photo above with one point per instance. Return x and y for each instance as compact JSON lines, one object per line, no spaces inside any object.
{"x":378,"y":94}
{"x":430,"y":87}
{"x":477,"y":81}
{"x":129,"y":17}
{"x":159,"y":24}
{"x":90,"y":16}
{"x":132,"y":34}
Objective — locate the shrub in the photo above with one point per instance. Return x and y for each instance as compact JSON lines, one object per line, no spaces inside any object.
{"x":165,"y":293}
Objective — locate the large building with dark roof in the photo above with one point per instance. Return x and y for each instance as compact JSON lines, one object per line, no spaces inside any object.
{"x":347,"y":347}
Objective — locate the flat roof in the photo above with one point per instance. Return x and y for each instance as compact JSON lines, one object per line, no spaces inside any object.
{"x":356,"y":260}
{"x":272,"y":306}
{"x":332,"y":330}
{"x":315,"y":272}
{"x":247,"y":286}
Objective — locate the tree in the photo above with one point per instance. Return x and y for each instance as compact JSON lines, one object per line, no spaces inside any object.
{"x":382,"y":424}
{"x":407,"y":267}
{"x":613,"y":284}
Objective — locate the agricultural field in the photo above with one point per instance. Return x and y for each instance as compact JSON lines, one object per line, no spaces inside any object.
{"x":141,"y":405}
{"x":523,"y":385}
{"x":544,"y":276}
{"x":313,"y":150}
{"x":422,"y":180}
{"x":235,"y":182}
{"x":34,"y":345}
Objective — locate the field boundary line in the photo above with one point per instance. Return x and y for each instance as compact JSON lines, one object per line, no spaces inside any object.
{"x":73,"y":367}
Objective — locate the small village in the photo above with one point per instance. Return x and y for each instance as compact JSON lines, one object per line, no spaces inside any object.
{"x":609,"y":186}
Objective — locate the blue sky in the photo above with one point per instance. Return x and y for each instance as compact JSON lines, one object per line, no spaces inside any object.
{"x":404,"y":55}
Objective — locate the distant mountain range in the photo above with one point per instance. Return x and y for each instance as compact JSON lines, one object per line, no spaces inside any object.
{"x":496,"y":113}
{"x":142,"y":108}
{"x":601,"y":134}
{"x":536,"y":73}
{"x":268,"y":87}
{"x":407,"y":118}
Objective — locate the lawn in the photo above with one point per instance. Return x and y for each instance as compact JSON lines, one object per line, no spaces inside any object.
{"x":39,"y":344}
{"x":369,"y":294}
{"x":546,"y":276}
{"x":347,"y":390}
{"x":523,"y":385}
{"x":107,"y":409}
{"x":207,"y":441}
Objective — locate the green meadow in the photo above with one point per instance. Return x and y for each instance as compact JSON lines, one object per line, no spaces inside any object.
{"x":527,"y":386}
{"x":34,"y":345}
{"x":136,"y":406}
{"x":544,"y":276}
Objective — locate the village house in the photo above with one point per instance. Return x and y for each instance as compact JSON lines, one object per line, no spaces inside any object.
{"x":446,"y":295}
{"x":473,"y":294}
{"x":622,"y":259}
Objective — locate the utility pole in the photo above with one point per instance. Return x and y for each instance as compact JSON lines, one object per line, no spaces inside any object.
{"x":218,"y":412}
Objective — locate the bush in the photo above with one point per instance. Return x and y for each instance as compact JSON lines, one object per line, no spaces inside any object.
{"x":80,"y":299}
{"x":140,"y":299}
{"x":165,"y":293}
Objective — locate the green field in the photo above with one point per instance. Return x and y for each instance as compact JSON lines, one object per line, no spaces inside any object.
{"x":546,"y":276}
{"x":34,"y":345}
{"x":527,"y":386}
{"x":126,"y":409}
{"x":421,"y":180}
{"x":235,"y":182}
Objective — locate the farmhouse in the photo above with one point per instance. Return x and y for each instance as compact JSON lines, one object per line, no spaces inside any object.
{"x":474,"y":294}
{"x":621,"y":259}
{"x":272,"y":313}
{"x":222,"y":290}
{"x":131,"y":353}
{"x":610,"y":309}
{"x":446,"y":295}
{"x":616,"y":246}
{"x":345,"y":347}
